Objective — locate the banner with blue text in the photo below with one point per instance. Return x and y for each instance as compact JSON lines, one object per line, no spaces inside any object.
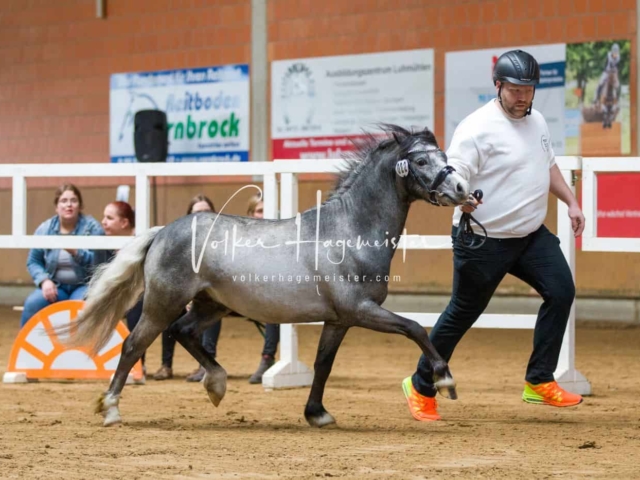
{"x":207,"y":112}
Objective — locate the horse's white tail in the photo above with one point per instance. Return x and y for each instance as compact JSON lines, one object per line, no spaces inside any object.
{"x":114,"y":288}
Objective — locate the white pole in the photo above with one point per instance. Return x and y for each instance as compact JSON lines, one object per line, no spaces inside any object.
{"x":142,"y":203}
{"x":19,"y":207}
{"x":259,"y":75}
{"x":566,"y":373}
{"x":289,"y":195}
{"x":289,"y":371}
{"x":270,"y":193}
{"x":289,"y":204}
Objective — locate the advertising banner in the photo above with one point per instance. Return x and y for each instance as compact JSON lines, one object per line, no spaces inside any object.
{"x":469,"y":85}
{"x":319,"y":105}
{"x":618,"y":208}
{"x":207,"y":112}
{"x":598,"y":124}
{"x":598,"y":107}
{"x":585,"y":98}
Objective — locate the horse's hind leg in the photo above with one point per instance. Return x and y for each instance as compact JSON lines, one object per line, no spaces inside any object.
{"x":153,"y":321}
{"x":370,"y":315}
{"x":204,"y":313}
{"x":330,"y":340}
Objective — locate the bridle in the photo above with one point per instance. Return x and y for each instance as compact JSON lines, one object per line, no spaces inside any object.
{"x":465,"y":235}
{"x":404,"y":168}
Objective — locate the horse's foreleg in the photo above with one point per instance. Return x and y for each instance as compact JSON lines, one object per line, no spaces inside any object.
{"x":132,"y":349}
{"x":330,"y":340}
{"x":204,"y":312}
{"x":374,"y":317}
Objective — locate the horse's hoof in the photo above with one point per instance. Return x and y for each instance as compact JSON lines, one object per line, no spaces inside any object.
{"x":215,"y":384}
{"x":447,"y":388}
{"x":215,"y":399}
{"x":112,"y":417}
{"x":321,"y":420}
{"x":453,"y":395}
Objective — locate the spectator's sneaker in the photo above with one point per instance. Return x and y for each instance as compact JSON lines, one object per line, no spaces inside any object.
{"x":550,"y":393}
{"x":265,"y":364}
{"x":197,"y":375}
{"x":165,"y":373}
{"x":423,"y":409}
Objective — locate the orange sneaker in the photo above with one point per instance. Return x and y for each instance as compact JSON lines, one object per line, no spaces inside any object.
{"x":423,"y":409}
{"x":550,"y":393}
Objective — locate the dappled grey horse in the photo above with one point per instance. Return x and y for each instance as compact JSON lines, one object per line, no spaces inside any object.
{"x":330,"y":264}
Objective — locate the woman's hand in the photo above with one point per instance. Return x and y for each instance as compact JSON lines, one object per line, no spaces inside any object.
{"x":49,"y":290}
{"x":71,"y":252}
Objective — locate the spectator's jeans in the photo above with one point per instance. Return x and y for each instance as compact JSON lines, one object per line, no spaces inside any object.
{"x":210,"y":338}
{"x":271,"y":339}
{"x":209,"y":342}
{"x":36,"y":301}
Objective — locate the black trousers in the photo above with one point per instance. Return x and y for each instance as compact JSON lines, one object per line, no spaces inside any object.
{"x":537,"y":260}
{"x":209,"y":342}
{"x":168,"y":342}
{"x":271,"y":339}
{"x":133,"y":317}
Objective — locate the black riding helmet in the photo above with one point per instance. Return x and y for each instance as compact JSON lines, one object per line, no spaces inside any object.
{"x":517,"y":67}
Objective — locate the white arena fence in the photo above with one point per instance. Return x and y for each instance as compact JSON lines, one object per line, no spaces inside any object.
{"x":289,"y":371}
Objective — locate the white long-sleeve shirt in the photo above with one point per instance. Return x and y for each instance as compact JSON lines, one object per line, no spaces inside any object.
{"x":509,"y":160}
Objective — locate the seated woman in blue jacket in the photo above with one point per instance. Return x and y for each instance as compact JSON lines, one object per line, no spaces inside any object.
{"x":61,"y":274}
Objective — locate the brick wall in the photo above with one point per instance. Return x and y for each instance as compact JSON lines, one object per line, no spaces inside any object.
{"x":56,"y":59}
{"x":303,"y":28}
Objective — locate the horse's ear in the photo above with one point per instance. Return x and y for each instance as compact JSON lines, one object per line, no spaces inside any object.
{"x":397,"y":138}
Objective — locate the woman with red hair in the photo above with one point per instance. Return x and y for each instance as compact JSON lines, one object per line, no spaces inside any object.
{"x":118,"y":219}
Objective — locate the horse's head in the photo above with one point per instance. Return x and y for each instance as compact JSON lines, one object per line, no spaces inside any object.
{"x":423,"y":168}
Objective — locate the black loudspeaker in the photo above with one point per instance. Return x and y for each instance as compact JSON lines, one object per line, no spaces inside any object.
{"x":151,"y":136}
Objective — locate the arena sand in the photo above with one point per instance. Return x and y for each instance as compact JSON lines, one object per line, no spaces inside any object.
{"x":171,"y":431}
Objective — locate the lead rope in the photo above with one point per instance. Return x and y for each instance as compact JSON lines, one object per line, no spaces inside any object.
{"x":466,"y":236}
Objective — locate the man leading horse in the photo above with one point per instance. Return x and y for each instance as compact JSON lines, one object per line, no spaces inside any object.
{"x":504,"y":148}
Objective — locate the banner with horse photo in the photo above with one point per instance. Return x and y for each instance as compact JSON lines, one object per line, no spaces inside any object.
{"x":598,"y":124}
{"x":597,"y":99}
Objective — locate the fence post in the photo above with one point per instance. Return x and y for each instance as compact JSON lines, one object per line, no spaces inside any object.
{"x":566,"y":374}
{"x":142,"y":202}
{"x":288,"y":371}
{"x":19,"y":207}
{"x":270,"y":195}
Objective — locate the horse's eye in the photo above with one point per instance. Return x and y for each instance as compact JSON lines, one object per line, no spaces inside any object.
{"x":421,"y":162}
